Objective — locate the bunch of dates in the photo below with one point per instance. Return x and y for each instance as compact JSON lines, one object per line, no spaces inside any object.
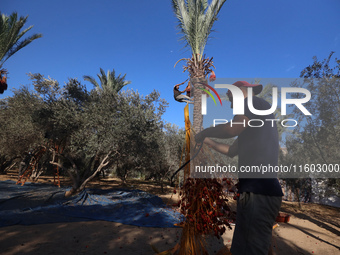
{"x":204,"y":205}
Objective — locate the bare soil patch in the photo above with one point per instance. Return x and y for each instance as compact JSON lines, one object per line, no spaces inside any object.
{"x":313,"y":229}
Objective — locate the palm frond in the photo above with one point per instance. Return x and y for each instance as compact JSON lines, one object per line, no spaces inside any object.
{"x":21,"y":45}
{"x":109,"y":83}
{"x":103,"y":78}
{"x":91,"y":80}
{"x":195,"y":21}
{"x":10,"y":35}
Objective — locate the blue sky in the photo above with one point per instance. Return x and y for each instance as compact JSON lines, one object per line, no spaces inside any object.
{"x":252,"y":39}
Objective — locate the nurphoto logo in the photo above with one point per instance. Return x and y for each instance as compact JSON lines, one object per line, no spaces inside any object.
{"x":238,"y":100}
{"x":238,"y":104}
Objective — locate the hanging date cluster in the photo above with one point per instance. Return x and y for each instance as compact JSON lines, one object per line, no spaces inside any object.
{"x":3,"y":81}
{"x":204,"y":206}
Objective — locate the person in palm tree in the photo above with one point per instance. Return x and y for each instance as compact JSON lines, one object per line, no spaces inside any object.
{"x":178,"y":95}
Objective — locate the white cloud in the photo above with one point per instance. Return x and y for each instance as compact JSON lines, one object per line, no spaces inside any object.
{"x":290,"y":68}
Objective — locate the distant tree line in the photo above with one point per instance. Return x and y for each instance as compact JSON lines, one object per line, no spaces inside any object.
{"x":316,"y":140}
{"x":85,"y":132}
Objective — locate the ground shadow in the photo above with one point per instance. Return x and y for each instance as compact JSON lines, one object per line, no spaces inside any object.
{"x":97,"y":237}
{"x":308,"y":233}
{"x":319,"y":223}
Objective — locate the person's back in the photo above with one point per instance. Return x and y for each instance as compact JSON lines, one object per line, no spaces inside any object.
{"x":258,"y":148}
{"x":176,"y":91}
{"x":260,"y":194}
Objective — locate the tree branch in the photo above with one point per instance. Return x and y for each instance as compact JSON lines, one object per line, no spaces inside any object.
{"x":102,"y":164}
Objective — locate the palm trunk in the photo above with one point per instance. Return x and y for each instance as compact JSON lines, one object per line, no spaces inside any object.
{"x":197,"y":115}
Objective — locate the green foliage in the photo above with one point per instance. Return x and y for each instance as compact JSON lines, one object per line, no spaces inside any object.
{"x":320,"y":134}
{"x":108,"y":82}
{"x":121,"y":130}
{"x":195,"y":22}
{"x":19,"y":133}
{"x":170,"y":148}
{"x":196,"y":19}
{"x":316,"y":139}
{"x":10,"y":35}
{"x":322,"y":68}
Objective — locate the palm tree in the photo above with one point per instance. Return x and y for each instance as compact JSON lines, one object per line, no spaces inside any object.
{"x":196,"y":19}
{"x":10,"y":43}
{"x":108,"y":82}
{"x":10,"y":35}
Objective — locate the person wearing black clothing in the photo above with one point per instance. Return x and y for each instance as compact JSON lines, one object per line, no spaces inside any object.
{"x":178,"y":95}
{"x":260,"y":194}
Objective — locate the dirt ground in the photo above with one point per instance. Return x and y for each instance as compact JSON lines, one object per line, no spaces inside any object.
{"x":312,"y":229}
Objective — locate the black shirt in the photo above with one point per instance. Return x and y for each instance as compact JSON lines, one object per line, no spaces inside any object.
{"x":258,"y":147}
{"x":176,"y":92}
